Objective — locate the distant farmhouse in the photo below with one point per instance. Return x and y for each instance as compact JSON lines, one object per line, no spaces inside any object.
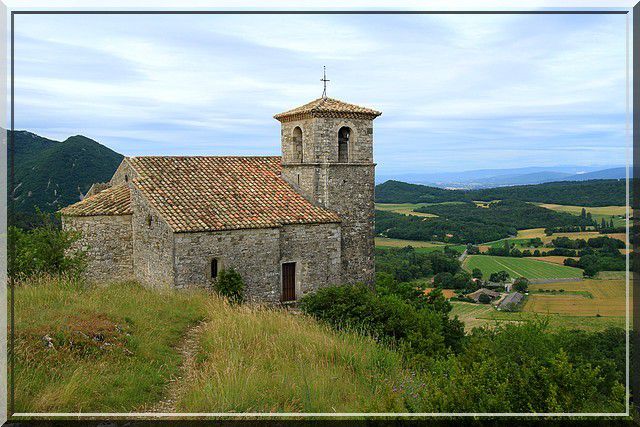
{"x":289,"y":225}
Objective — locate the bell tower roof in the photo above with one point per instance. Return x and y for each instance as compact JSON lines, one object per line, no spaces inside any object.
{"x":327,"y":107}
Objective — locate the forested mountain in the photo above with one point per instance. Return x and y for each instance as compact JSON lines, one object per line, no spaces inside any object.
{"x":603,"y":192}
{"x":50,"y":174}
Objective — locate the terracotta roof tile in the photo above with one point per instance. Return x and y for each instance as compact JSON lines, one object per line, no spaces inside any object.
{"x":223,"y":193}
{"x":327,"y":107}
{"x":114,"y":200}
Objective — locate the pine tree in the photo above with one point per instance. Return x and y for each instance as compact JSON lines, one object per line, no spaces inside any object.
{"x":583,"y":214}
{"x":603,"y":223}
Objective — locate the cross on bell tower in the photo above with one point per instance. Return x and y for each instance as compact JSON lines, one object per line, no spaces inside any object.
{"x":324,"y":81}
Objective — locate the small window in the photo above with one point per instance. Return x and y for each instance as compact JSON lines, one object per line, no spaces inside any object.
{"x":344,"y":135}
{"x":214,"y":268}
{"x":126,"y":178}
{"x":297,"y":145}
{"x":149,"y":219}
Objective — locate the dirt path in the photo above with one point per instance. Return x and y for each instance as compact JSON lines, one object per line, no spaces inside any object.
{"x":187,"y":349}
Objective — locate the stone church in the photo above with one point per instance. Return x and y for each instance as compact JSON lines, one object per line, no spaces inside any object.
{"x":288,"y":225}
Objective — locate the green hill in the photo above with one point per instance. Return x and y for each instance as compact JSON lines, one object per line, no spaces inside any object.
{"x":601,"y":192}
{"x":50,"y":174}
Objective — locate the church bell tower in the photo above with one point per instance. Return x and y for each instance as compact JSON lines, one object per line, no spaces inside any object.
{"x":327,"y":156}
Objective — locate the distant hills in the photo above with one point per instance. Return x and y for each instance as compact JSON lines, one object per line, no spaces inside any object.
{"x":488,"y":178}
{"x":606,"y":192}
{"x":52,"y":174}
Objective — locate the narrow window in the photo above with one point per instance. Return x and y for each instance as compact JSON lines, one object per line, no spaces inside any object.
{"x":126,"y":178}
{"x":214,"y":268}
{"x":149,"y":219}
{"x":297,"y":145}
{"x":344,"y":134}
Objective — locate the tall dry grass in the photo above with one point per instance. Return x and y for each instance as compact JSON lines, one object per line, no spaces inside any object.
{"x":255,"y":359}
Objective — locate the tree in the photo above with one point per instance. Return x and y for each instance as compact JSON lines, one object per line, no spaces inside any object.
{"x":476,"y":273}
{"x":444,"y":280}
{"x":583,"y":214}
{"x":507,"y":248}
{"x":603,"y":223}
{"x":484,"y":299}
{"x":521,"y":284}
{"x":44,"y":249}
{"x":499,"y":277}
{"x":461,"y":280}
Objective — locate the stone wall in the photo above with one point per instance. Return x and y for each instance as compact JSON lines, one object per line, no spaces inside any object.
{"x":320,"y":140}
{"x":345,"y":188}
{"x":153,"y":244}
{"x":107,"y":241}
{"x":124,"y":173}
{"x":315,"y":248}
{"x":257,"y":256}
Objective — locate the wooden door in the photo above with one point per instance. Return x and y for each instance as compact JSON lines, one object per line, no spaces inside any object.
{"x":289,"y":281}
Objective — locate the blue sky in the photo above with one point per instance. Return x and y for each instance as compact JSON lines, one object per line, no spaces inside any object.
{"x":457,"y":92}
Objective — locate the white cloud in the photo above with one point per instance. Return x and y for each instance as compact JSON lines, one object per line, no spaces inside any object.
{"x":443,"y":82}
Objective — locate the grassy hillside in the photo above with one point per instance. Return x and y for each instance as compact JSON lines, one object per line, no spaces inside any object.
{"x":609,"y":192}
{"x":51,"y":174}
{"x":123,"y":348}
{"x":116,"y":348}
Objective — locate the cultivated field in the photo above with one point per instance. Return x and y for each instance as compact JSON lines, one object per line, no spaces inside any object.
{"x":403,"y":208}
{"x":531,"y":233}
{"x":607,"y":298}
{"x":606,"y":212}
{"x":554,"y":259}
{"x":520,"y":267}
{"x":589,"y":305}
{"x":419,"y":246}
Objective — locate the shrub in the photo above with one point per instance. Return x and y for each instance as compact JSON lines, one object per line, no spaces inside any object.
{"x":230,"y":285}
{"x":387,"y":318}
{"x":484,"y":299}
{"x":43,"y":250}
{"x":521,"y":284}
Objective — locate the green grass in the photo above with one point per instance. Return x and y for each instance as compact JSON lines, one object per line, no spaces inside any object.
{"x":481,"y":315}
{"x":404,"y":208}
{"x":265,"y":360}
{"x":248,"y":359}
{"x":597,"y":213}
{"x":419,"y":246}
{"x":520,"y":267}
{"x":142,"y":328}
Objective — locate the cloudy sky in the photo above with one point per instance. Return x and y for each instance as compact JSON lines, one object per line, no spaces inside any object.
{"x":457,"y":92}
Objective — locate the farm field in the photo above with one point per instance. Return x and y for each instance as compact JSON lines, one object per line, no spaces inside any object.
{"x":608,"y":298}
{"x":597,"y":213}
{"x":403,"y":208}
{"x":586,"y":235}
{"x":520,"y":267}
{"x":594,"y":304}
{"x":531,"y":233}
{"x":554,"y":259}
{"x":419,"y":246}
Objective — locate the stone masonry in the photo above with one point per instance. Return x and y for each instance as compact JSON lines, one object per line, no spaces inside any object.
{"x":165,"y":220}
